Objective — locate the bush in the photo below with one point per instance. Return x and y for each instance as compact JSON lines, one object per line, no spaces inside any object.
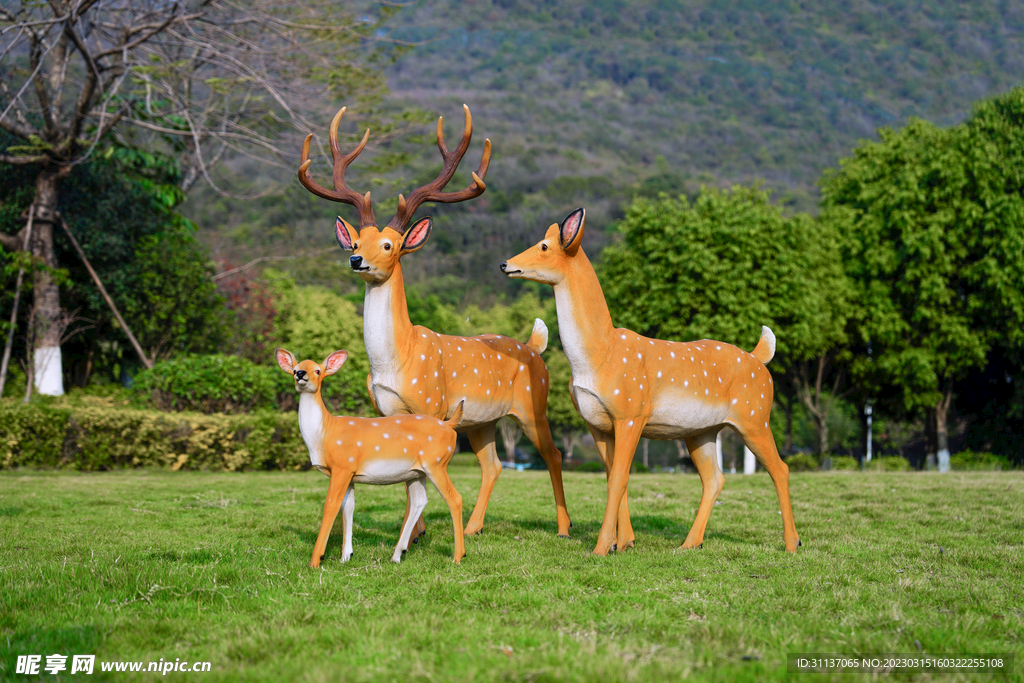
{"x":590,"y":467}
{"x":802,"y":462}
{"x":844,"y":463}
{"x":894,"y":463}
{"x":51,"y":433}
{"x":970,"y":460}
{"x":211,"y":384}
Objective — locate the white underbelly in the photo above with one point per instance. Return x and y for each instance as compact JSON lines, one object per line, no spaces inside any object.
{"x":676,"y":416}
{"x":592,"y":409}
{"x":381,"y":472}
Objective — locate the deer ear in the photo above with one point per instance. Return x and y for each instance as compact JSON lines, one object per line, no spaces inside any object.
{"x":285,"y":359}
{"x":571,"y":232}
{"x":345,"y":233}
{"x":417,"y":235}
{"x":334,"y":362}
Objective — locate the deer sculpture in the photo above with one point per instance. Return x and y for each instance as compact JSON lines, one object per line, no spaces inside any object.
{"x":387,"y":450}
{"x":626,"y":386}
{"x":416,"y":370}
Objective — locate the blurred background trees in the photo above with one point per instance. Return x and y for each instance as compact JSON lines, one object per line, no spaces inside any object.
{"x":698,"y":135}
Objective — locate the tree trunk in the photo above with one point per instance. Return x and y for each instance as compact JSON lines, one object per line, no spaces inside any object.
{"x":931,"y":439}
{"x":942,"y":431}
{"x":510,"y":433}
{"x":48,"y":375}
{"x":647,"y":464}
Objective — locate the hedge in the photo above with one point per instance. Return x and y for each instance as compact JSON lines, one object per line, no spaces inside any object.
{"x":54,"y":434}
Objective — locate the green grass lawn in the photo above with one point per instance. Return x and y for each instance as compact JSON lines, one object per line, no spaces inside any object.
{"x":141,"y":565}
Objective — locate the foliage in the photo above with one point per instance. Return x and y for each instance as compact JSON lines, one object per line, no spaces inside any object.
{"x":313,"y":322}
{"x":98,"y":436}
{"x":893,"y":463}
{"x":844,"y":463}
{"x":802,"y":462}
{"x":251,"y":302}
{"x":225,"y":555}
{"x":210,"y":384}
{"x":723,"y":267}
{"x":970,"y":460}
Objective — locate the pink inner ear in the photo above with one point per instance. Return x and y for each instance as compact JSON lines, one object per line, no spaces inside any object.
{"x":570,"y":228}
{"x":342,"y":232}
{"x":417,"y":234}
{"x":284,"y":360}
{"x":336,"y":361}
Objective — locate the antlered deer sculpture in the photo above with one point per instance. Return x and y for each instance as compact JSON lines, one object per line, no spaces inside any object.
{"x":414,"y":369}
{"x":626,"y":386}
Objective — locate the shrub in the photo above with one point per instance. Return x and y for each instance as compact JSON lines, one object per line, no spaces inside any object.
{"x":210,"y":384}
{"x":590,"y":467}
{"x":894,"y":463}
{"x":970,"y":460}
{"x":844,"y":463}
{"x":100,"y":437}
{"x":802,"y":462}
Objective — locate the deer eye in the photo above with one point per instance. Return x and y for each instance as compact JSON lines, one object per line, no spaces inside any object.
{"x":318,"y":372}
{"x":543,"y":247}
{"x":387,"y":247}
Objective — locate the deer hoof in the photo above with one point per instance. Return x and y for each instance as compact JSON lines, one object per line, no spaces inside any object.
{"x":415,"y":540}
{"x":563,"y":535}
{"x":615,"y":546}
{"x":799,"y":543}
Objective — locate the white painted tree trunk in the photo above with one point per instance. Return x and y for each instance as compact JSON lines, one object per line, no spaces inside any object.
{"x":718,"y":449}
{"x":749,"y":461}
{"x":49,"y":375}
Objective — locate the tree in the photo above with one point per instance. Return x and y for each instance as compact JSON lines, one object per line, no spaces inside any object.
{"x":935,"y":250}
{"x":121,"y":207}
{"x":726,"y":265}
{"x":199,"y":80}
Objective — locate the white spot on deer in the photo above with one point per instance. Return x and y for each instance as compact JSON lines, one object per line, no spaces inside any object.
{"x":751,"y":413}
{"x":488,"y":392}
{"x":419,"y":417}
{"x":623,"y":336}
{"x":405,"y":450}
{"x":377,"y":448}
{"x":639,"y":356}
{"x":527,"y":387}
{"x":475,"y":371}
{"x":630,"y":423}
{"x":435,"y":373}
{"x":659,"y":373}
{"x":423,"y":356}
{"x":339,"y":442}
{"x":409,"y":436}
{"x":616,"y":392}
{"x":719,"y":348}
{"x":673,"y":354}
{"x":439,"y":459}
{"x":373,"y":424}
{"x":359,"y":443}
{"x":734,"y":401}
{"x":430,"y":438}
{"x":641,"y":386}
{"x":624,"y":360}
{"x":705,"y":373}
{"x":414,"y":380}
{"x":706,"y":392}
{"x":499,"y":356}
{"x":351,"y":422}
{"x":428,"y":400}
{"x":686,"y":383}
{"x":387,"y":436}
{"x":459,"y":348}
{"x":453,"y":374}
{"x":751,"y":374}
{"x":421,"y":452}
{"x":521,"y":368}
{"x":351,"y":459}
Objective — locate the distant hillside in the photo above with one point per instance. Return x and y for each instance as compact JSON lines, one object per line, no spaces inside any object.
{"x":590,"y":102}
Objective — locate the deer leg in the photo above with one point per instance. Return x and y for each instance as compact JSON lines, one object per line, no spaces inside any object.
{"x":348,"y":506}
{"x":704,"y":454}
{"x":538,"y":431}
{"x":335,"y":493}
{"x":421,"y":526}
{"x":761,"y":442}
{"x":627,"y":435}
{"x":439,"y":476}
{"x":418,"y":500}
{"x":482,"y":442}
{"x":625,"y":538}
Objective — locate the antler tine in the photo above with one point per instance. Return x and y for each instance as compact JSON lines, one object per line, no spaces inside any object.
{"x":341,"y":192}
{"x":432,"y":191}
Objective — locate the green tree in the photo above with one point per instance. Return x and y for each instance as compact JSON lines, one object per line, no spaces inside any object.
{"x":724,"y":266}
{"x":935,"y":249}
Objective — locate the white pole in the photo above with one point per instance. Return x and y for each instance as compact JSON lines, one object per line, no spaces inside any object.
{"x":749,"y":461}
{"x":718,"y":448}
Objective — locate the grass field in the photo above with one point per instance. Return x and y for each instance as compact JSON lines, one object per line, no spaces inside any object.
{"x":212,"y":567}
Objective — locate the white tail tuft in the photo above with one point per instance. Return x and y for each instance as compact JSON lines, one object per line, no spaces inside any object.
{"x":765,"y":349}
{"x":538,"y":340}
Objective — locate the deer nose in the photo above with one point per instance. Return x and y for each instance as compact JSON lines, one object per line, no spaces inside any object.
{"x":300,"y":374}
{"x":503,"y":266}
{"x":355,"y":261}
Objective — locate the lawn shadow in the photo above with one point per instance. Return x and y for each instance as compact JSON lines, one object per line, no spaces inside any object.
{"x":649,"y":525}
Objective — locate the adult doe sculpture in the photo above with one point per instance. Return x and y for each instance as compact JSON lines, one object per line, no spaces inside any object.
{"x":416,"y":370}
{"x":626,"y":386}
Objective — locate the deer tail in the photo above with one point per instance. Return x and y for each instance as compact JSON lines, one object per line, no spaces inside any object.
{"x":765,"y":349}
{"x":538,"y":340}
{"x":456,"y":419}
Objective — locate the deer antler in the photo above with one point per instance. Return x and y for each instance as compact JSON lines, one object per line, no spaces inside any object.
{"x":341,"y":192}
{"x":431,"y":192}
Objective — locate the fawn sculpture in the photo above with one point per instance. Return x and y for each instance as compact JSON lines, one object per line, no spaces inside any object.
{"x":626,"y":386}
{"x":414,"y":369}
{"x":384,"y":450}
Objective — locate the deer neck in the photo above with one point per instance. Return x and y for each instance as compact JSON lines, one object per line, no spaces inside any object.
{"x":386,"y":325}
{"x":584,"y":323}
{"x":313,"y":417}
